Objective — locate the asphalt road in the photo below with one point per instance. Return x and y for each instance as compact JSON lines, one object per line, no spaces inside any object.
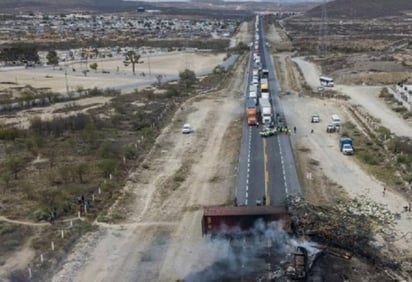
{"x":266,"y":165}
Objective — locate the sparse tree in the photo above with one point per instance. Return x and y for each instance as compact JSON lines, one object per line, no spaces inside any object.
{"x":19,"y":54}
{"x":14,"y":164}
{"x":93,"y":66}
{"x":6,"y":178}
{"x":52,"y":58}
{"x":65,"y":174}
{"x":187,"y":78}
{"x":81,"y":169}
{"x":107,"y":166}
{"x":159,"y":79}
{"x":131,"y":58}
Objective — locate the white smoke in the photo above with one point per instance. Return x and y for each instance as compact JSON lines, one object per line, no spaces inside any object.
{"x":224,"y":259}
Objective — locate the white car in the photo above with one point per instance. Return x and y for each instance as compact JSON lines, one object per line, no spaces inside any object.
{"x":315,"y":118}
{"x":187,"y":128}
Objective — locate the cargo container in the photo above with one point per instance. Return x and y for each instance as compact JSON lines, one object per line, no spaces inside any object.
{"x":251,"y":112}
{"x":241,"y":220}
{"x":264,"y":85}
{"x":265,"y":111}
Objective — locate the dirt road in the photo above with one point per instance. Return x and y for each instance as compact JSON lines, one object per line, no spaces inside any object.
{"x":116,"y":72}
{"x":181,"y":174}
{"x":366,"y":96}
{"x":320,"y":158}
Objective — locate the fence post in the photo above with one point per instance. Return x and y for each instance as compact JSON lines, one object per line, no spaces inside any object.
{"x":52,"y":245}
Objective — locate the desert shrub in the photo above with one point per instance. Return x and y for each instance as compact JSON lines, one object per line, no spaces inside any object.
{"x":8,"y":133}
{"x":370,"y":158}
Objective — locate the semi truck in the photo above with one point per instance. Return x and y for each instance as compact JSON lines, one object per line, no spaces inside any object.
{"x":253,"y":93}
{"x":345,"y":145}
{"x":255,"y":72}
{"x":265,"y":73}
{"x":251,"y":112}
{"x":264,"y":85}
{"x":265,"y":95}
{"x":265,"y":111}
{"x":253,"y":88}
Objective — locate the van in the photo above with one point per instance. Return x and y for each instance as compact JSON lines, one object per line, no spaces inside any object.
{"x":335,"y":120}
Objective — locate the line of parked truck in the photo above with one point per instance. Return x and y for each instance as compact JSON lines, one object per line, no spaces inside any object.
{"x":258,"y":103}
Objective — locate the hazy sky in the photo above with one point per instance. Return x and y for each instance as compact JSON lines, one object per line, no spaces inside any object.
{"x":277,"y":1}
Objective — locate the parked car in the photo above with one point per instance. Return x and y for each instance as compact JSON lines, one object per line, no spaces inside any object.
{"x":187,"y":129}
{"x":315,"y":118}
{"x":331,"y":128}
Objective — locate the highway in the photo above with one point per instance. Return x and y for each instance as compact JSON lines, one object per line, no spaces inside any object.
{"x":266,"y":165}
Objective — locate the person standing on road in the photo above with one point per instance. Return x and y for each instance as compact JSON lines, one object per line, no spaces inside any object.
{"x":294,"y":129}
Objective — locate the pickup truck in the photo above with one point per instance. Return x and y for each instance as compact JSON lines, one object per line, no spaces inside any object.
{"x":345,"y":144}
{"x":347,"y":149}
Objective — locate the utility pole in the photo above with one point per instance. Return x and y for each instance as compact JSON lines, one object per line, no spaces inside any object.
{"x":323,"y":30}
{"x":148,"y":61}
{"x":67,"y":84}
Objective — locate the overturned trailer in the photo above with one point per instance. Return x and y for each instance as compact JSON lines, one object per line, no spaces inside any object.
{"x":240,"y":220}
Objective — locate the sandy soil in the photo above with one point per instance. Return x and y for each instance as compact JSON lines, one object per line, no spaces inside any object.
{"x":366,"y":96}
{"x":324,"y":147}
{"x":54,"y":79}
{"x":163,"y":209}
{"x":159,"y":251}
{"x":244,"y":35}
{"x":19,"y":260}
{"x":152,"y":250}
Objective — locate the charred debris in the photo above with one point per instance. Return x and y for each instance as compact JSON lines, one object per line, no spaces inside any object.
{"x":301,"y":242}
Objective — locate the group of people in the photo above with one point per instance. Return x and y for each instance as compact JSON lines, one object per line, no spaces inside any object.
{"x":285,"y":129}
{"x":83,"y":203}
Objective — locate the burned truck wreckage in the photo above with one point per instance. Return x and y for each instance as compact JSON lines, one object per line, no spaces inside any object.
{"x":280,"y":243}
{"x":264,"y":233}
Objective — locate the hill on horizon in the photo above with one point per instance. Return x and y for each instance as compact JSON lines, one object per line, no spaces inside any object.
{"x":11,"y":5}
{"x":362,"y":8}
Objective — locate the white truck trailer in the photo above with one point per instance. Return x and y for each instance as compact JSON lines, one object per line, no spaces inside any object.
{"x":253,"y":93}
{"x":265,"y":111}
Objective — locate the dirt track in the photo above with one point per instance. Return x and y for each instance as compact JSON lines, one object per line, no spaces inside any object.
{"x":54,"y":79}
{"x":144,"y":249}
{"x":326,"y":173}
{"x":205,"y":160}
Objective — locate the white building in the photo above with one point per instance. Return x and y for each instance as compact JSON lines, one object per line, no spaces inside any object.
{"x":403,"y":93}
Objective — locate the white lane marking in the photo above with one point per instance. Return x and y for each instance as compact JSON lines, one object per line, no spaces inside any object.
{"x":248,"y":164}
{"x":283,"y":167}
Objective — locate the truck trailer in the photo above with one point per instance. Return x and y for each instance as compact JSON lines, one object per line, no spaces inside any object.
{"x":253,"y":95}
{"x":251,"y":112}
{"x":241,"y":220}
{"x":265,"y":111}
{"x":264,"y":85}
{"x":345,"y":145}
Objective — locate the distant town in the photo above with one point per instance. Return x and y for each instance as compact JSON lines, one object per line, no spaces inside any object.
{"x":38,"y":27}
